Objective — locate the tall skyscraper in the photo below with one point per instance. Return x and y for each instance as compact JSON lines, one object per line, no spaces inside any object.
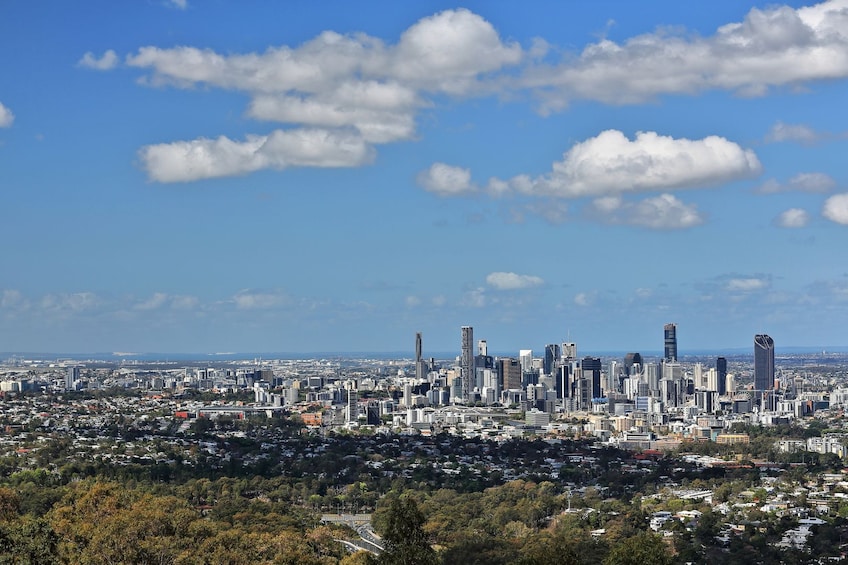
{"x":592,"y":373}
{"x":71,"y":377}
{"x":420,"y":364}
{"x":721,"y":379}
{"x":763,"y":362}
{"x":670,"y":338}
{"x":551,"y":358}
{"x":510,"y":372}
{"x":466,"y":364}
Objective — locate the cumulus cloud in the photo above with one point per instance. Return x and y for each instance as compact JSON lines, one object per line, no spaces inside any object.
{"x":74,"y":302}
{"x":446,"y":180}
{"x":256,"y":299}
{"x":584,"y":298}
{"x":109,"y":60}
{"x":512,"y":281}
{"x":802,"y":182}
{"x":161,"y":299}
{"x":793,"y":218}
{"x":663,"y":212}
{"x":836,"y":208}
{"x":6,"y":116}
{"x":13,"y":300}
{"x":203,"y":158}
{"x":775,"y":46}
{"x":749,"y":284}
{"x":154,"y":302}
{"x":475,"y":298}
{"x":610,"y":163}
{"x":412,"y":301}
{"x":352,"y":86}
{"x":798,"y":133}
{"x":178,"y":4}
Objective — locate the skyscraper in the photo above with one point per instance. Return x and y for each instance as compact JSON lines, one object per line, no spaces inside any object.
{"x":591,"y":367}
{"x":466,"y":364}
{"x":763,"y":362}
{"x":420,"y":364}
{"x":631,"y":360}
{"x":71,"y":377}
{"x":721,"y":379}
{"x":670,"y":350}
{"x":551,"y":358}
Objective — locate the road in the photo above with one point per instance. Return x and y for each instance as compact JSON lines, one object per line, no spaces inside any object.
{"x":361,"y":524}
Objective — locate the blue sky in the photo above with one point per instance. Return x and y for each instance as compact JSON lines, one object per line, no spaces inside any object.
{"x":303,"y":176}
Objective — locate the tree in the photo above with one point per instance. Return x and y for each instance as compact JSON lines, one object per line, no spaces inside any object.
{"x":642,"y":549}
{"x":406,"y":542}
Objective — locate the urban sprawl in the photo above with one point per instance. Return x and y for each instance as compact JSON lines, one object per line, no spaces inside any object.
{"x":717,"y":456}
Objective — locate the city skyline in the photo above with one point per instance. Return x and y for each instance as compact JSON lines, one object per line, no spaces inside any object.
{"x":182,"y":176}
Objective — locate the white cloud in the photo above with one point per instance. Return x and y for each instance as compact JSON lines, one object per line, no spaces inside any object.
{"x":512,"y":281}
{"x":446,"y":180}
{"x":663,"y":212}
{"x":338,"y":82}
{"x":161,"y":299}
{"x":775,"y":46}
{"x":13,"y":300}
{"x":749,"y":284}
{"x":799,"y":133}
{"x":836,"y":208}
{"x":439,"y":301}
{"x":6,"y":116}
{"x":610,"y":163}
{"x":584,"y":298}
{"x":154,"y":302}
{"x":76,"y":302}
{"x":178,"y":4}
{"x":475,"y":298}
{"x":109,"y":60}
{"x":381,"y":112}
{"x":249,"y":299}
{"x":449,"y":50}
{"x":793,"y":218}
{"x":802,"y":182}
{"x":412,"y":301}
{"x":184,"y":161}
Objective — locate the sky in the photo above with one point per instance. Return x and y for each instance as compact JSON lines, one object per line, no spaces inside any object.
{"x":215,"y":176}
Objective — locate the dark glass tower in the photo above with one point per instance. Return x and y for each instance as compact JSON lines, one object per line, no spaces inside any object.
{"x":721,"y":369}
{"x":670,"y":339}
{"x":630,"y":360}
{"x":592,"y":370}
{"x":763,"y":362}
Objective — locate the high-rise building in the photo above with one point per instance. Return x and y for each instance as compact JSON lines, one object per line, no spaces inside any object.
{"x":71,"y":377}
{"x":591,"y":367}
{"x":763,"y":362}
{"x":482,"y":348}
{"x":721,"y":379}
{"x":569,"y":351}
{"x":670,"y":338}
{"x":551,"y":358}
{"x":510,"y":371}
{"x":631,"y":360}
{"x":420,"y":364}
{"x":466,"y":364}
